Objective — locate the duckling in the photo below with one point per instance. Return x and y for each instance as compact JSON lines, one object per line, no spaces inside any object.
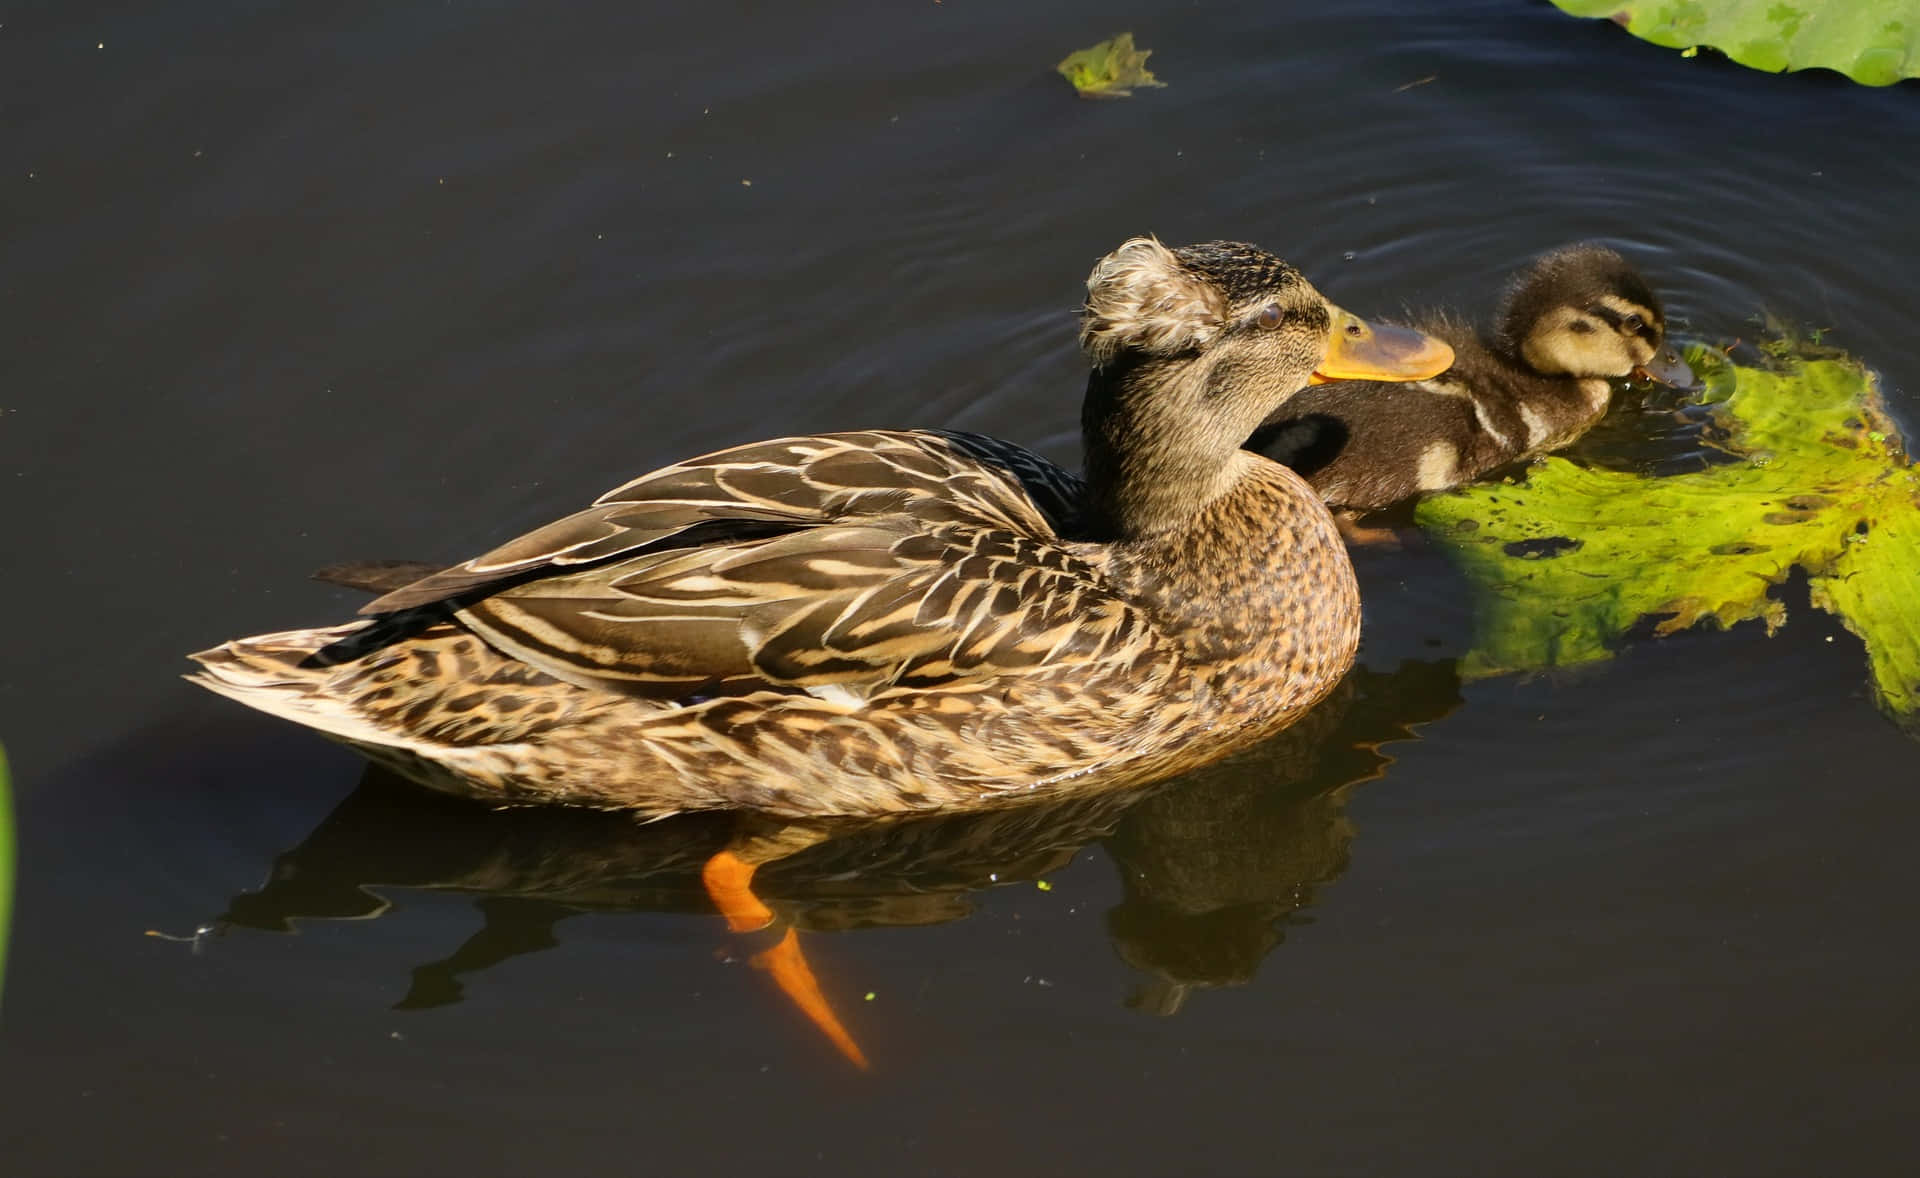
{"x":876,"y":623}
{"x":1571,"y":322}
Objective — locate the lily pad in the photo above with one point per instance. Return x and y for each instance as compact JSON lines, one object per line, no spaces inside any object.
{"x":1874,"y":42}
{"x":1110,"y":69}
{"x":1571,"y":559}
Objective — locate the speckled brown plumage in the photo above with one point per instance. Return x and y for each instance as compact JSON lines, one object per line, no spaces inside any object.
{"x":885,"y":622}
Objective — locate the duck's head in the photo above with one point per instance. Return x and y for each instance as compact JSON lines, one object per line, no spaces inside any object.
{"x":1194,"y":347}
{"x":1583,"y":311}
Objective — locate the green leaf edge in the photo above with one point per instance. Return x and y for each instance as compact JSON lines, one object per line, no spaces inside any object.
{"x":1874,"y":48}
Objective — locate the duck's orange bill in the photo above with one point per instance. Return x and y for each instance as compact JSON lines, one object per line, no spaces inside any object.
{"x":729,"y":882}
{"x":1358,"y":350}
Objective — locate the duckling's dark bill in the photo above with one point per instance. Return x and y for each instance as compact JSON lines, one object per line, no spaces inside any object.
{"x":1668,"y":368}
{"x":1358,"y":350}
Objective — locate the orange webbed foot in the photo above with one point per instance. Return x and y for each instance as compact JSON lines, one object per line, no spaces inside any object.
{"x":729,"y":881}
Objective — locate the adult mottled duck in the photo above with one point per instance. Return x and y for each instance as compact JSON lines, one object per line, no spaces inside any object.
{"x":878,"y":623}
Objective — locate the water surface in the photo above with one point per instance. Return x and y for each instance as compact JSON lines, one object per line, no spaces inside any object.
{"x":289,"y":285}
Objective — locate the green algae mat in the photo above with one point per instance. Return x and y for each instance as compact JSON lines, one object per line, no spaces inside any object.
{"x":1570,"y":559}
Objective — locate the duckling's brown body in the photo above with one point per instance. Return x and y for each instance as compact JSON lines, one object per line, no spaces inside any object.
{"x":1572,"y":322}
{"x":888,"y":622}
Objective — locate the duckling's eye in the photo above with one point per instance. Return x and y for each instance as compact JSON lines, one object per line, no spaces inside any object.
{"x":1269,"y":317}
{"x":1633,"y":324}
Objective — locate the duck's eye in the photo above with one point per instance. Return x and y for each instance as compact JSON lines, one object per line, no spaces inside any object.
{"x":1355,"y":330}
{"x":1633,"y":324}
{"x":1269,"y":317}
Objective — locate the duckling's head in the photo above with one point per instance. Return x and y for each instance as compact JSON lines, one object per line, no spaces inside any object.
{"x":1191,"y":349}
{"x":1583,"y":311}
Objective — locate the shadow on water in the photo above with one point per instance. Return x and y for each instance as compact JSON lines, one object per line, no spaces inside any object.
{"x":1213,"y":865}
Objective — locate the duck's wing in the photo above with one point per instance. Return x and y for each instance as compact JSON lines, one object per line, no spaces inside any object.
{"x":843,"y":610}
{"x":1059,"y":495}
{"x":768,"y":489}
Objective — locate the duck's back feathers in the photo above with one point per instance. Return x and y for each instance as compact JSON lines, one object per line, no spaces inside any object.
{"x":375,"y":576}
{"x":844,"y":563}
{"x":769,"y":488}
{"x":847,"y":608}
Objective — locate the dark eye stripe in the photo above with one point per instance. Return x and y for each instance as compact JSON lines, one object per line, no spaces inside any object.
{"x":1295,"y":316}
{"x":1614,"y":319}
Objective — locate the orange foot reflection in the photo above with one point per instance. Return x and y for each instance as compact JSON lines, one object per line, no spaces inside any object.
{"x":1357,"y":536}
{"x":789,"y":969}
{"x":729,"y":879}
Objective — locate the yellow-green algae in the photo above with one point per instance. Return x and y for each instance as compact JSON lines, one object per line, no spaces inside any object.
{"x":1110,"y":69}
{"x":1570,"y":559}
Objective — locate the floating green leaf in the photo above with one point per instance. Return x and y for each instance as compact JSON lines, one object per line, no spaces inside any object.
{"x":1110,"y":69}
{"x":1572,"y":558}
{"x":1874,"y":42}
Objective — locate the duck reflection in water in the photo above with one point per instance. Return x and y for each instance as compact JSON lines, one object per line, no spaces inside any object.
{"x":1213,"y":864}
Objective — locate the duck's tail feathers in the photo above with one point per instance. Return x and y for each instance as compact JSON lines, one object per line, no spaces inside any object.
{"x":286,"y":675}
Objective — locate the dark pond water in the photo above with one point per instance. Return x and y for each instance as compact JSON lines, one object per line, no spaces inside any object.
{"x":289,"y":284}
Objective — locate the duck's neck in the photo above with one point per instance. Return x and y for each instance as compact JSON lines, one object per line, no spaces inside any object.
{"x":1236,"y":556}
{"x":1153,"y":464}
